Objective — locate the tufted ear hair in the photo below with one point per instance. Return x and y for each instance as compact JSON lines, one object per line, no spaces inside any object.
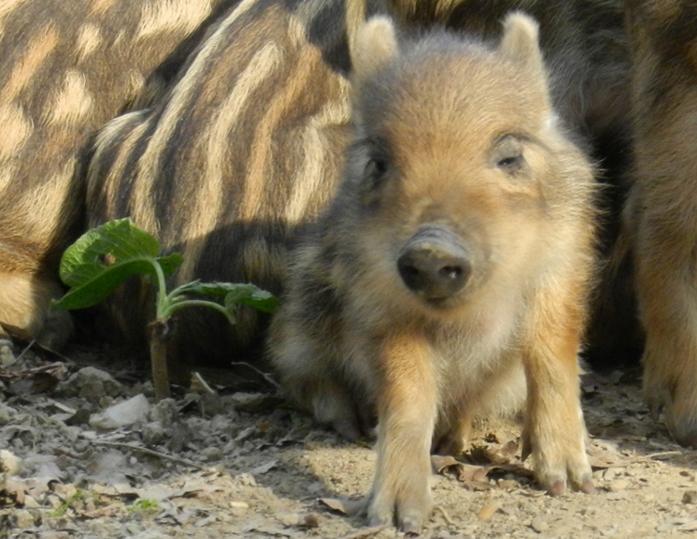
{"x":520,"y":42}
{"x":375,"y":46}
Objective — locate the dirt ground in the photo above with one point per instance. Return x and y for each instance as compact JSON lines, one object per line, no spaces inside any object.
{"x":85,"y":453}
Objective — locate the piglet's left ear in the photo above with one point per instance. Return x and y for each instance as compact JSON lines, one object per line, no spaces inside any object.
{"x":520,"y":43}
{"x":374,"y":47}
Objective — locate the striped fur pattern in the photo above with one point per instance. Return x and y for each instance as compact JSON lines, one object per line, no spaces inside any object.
{"x":662,"y":209}
{"x":243,"y":150}
{"x":247,"y":146}
{"x":452,"y":270}
{"x":66,"y":68}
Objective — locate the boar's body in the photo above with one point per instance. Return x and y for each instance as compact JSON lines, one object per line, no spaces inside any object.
{"x":67,"y":68}
{"x":246,"y":147}
{"x":661,"y":211}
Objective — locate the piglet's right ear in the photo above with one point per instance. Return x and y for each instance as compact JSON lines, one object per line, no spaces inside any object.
{"x":375,"y":46}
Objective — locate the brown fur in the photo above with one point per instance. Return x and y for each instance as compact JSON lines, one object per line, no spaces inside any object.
{"x":586,"y":51}
{"x":67,"y":67}
{"x":662,"y":210}
{"x":456,"y":140}
{"x":231,"y":199}
{"x":243,"y":150}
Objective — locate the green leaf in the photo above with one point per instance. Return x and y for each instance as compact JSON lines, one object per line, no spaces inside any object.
{"x":170,"y":263}
{"x":233,"y":294}
{"x":253,"y":296}
{"x":104,"y":257}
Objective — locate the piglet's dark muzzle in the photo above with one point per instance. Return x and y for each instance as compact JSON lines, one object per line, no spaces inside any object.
{"x":433,"y":264}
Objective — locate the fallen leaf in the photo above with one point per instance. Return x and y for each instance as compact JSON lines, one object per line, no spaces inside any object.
{"x":345,"y":507}
{"x":602,"y":455}
{"x":510,"y":449}
{"x":440,"y":462}
{"x":468,"y":472}
{"x":500,"y":454}
{"x":259,"y":470}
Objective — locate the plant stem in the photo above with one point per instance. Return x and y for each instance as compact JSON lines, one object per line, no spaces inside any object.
{"x":161,"y":292}
{"x":160,"y":332}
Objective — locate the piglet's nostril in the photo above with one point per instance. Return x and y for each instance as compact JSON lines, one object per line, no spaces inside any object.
{"x":434,"y":271}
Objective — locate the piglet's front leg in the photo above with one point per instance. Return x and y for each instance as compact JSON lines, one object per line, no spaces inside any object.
{"x":555,"y":432}
{"x":407,"y":411}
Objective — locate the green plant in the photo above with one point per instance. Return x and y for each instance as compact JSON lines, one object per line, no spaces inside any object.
{"x":104,"y":257}
{"x":67,"y":504}
{"x":144,"y":506}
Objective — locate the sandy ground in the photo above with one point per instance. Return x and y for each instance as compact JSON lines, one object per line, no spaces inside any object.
{"x":215,"y":462}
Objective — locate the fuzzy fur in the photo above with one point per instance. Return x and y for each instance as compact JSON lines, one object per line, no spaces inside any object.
{"x":459,"y":137}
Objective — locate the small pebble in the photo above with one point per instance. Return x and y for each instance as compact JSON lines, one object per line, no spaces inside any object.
{"x":7,"y":414}
{"x":690,"y":496}
{"x":9,"y":463}
{"x":212,"y":454}
{"x":7,"y":358}
{"x":610,"y":474}
{"x":90,"y":383}
{"x":246,"y":480}
{"x":30,"y":502}
{"x":238,"y":509}
{"x":539,"y":524}
{"x":153,"y":433}
{"x":311,"y":520}
{"x":23,"y":519}
{"x":288,"y":519}
{"x":617,"y":485}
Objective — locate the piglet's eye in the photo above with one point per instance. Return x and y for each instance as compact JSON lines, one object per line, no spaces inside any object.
{"x":376,"y":170}
{"x":508,"y":154}
{"x":376,"y":166}
{"x":512,"y":161}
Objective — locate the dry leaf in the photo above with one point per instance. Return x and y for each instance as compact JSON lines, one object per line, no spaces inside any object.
{"x":259,"y":470}
{"x":604,"y":455}
{"x":345,"y":507}
{"x":440,"y":462}
{"x":37,"y":380}
{"x":473,"y":473}
{"x":465,"y":472}
{"x":199,"y":385}
{"x":509,"y":449}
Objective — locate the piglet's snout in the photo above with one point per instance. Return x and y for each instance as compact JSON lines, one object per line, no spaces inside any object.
{"x":433,"y":265}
